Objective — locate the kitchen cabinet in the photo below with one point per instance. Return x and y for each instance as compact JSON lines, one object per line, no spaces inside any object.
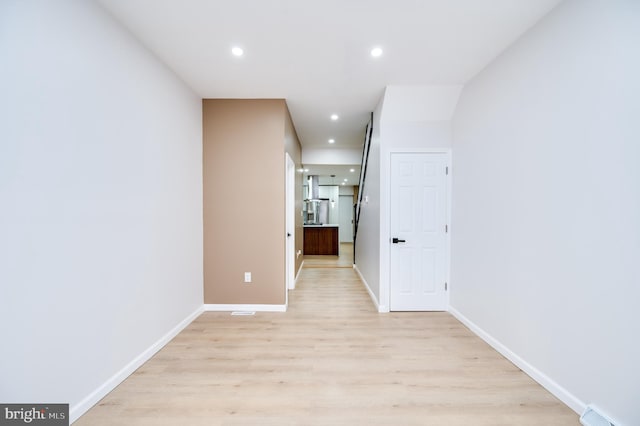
{"x":321,"y":240}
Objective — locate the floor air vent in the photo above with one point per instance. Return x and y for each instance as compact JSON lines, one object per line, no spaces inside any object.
{"x":593,"y":417}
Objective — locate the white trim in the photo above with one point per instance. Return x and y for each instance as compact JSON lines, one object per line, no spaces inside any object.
{"x":448,"y":201}
{"x":417,"y":150}
{"x":381,"y":308}
{"x":94,"y":397}
{"x":599,"y":412}
{"x":255,"y":308}
{"x":545,"y":381}
{"x":298,"y":273}
{"x":290,"y":226}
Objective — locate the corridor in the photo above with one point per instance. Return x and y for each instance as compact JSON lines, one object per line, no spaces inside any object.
{"x":331,"y":359}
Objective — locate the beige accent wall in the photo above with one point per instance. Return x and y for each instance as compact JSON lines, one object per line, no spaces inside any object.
{"x":292,"y":146}
{"x":244,"y":141}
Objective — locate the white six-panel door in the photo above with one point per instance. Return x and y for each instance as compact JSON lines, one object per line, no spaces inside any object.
{"x":418,"y":224}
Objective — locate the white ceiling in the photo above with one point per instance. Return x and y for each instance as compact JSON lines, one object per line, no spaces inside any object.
{"x":316,"y":54}
{"x":339,"y":173}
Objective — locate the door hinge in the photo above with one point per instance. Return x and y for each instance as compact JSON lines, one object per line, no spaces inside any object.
{"x":446,"y":228}
{"x":446,"y":170}
{"x":446,"y":286}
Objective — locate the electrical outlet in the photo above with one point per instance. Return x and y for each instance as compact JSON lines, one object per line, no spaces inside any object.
{"x":247,"y":277}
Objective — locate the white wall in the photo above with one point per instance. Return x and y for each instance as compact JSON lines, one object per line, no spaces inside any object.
{"x":407,"y":119}
{"x":367,"y":243}
{"x":346,"y":190}
{"x":546,"y":203}
{"x":405,"y":104}
{"x":346,"y":219}
{"x":346,"y":193}
{"x":418,"y":136}
{"x":417,"y":118}
{"x":414,"y":119}
{"x":339,"y":156}
{"x":101,"y":193}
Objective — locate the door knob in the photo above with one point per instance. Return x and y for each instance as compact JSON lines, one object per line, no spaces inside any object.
{"x":396,"y":241}
{"x":288,"y":234}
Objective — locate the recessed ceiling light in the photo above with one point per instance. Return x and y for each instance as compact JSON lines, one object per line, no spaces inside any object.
{"x":237,"y":51}
{"x":376,"y":52}
{"x":334,"y":117}
{"x":306,"y":170}
{"x":343,"y":183}
{"x":346,"y":180}
{"x":332,"y":141}
{"x":352,"y":170}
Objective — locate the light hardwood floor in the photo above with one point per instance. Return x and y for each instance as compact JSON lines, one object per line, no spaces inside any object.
{"x":330,"y":360}
{"x":344,"y":260}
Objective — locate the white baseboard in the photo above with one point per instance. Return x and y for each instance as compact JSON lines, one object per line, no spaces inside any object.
{"x":381,"y":308}
{"x":545,"y":381}
{"x":77,"y":410}
{"x":250,"y":308}
{"x":299,"y":269}
{"x":295,"y":280}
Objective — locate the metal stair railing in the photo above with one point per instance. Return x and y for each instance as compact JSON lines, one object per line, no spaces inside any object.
{"x":363,"y":175}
